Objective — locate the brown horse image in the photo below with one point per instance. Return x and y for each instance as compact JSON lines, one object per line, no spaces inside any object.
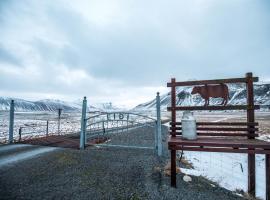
{"x":215,"y":91}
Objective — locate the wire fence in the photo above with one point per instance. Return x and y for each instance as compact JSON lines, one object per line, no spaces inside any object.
{"x":28,"y":125}
{"x":227,"y":169}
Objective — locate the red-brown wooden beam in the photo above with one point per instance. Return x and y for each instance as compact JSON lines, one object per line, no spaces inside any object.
{"x":267,"y":174}
{"x":220,"y":142}
{"x":217,"y":81}
{"x":250,"y":118}
{"x":228,"y":107}
{"x":222,"y":123}
{"x":222,"y":134}
{"x":219,"y":149}
{"x":219,"y":129}
{"x":173,"y":117}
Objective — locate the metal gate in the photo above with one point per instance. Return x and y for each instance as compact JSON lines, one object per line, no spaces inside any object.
{"x":122,"y":129}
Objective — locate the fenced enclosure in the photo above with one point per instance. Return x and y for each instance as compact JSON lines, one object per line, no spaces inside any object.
{"x":87,"y":127}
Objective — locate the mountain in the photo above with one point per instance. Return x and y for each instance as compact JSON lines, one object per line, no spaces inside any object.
{"x":52,"y":105}
{"x":237,"y":96}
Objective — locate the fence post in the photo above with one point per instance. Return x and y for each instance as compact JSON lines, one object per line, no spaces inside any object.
{"x":83,"y":124}
{"x":159,"y":137}
{"x":20,"y":134}
{"x":251,"y":118}
{"x":103,"y":128}
{"x":11,"y":122}
{"x":59,"y":118}
{"x":47,"y":128}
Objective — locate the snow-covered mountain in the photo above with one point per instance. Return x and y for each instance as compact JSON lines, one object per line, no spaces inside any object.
{"x":237,"y":96}
{"x":52,"y":105}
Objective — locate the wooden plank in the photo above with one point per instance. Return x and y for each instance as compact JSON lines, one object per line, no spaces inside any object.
{"x":222,"y":123}
{"x":225,"y":150}
{"x":228,"y":107}
{"x":223,"y":134}
{"x":229,"y":129}
{"x":220,"y":142}
{"x":217,"y":81}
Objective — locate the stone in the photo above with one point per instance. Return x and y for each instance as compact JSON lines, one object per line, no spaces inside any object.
{"x":187,"y":178}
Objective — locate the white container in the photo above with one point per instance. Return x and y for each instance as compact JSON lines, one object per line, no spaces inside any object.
{"x":189,"y":131}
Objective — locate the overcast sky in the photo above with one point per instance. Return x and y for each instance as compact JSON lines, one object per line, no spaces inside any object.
{"x":125,"y":51}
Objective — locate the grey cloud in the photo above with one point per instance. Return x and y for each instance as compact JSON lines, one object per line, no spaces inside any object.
{"x":145,"y":44}
{"x":7,"y":57}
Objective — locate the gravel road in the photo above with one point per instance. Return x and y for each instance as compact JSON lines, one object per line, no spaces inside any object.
{"x":101,"y":173}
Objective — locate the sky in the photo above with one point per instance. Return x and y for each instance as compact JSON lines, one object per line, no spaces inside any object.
{"x":124,"y":51}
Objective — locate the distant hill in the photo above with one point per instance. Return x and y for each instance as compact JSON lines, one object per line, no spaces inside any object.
{"x":237,"y":95}
{"x":52,"y":105}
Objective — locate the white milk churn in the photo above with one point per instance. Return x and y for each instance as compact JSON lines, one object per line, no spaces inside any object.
{"x":188,"y":126}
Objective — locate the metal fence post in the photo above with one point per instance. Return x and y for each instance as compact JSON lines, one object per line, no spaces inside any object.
{"x":47,"y":128}
{"x":83,"y":124}
{"x":11,"y":121}
{"x":20,"y":134}
{"x":59,"y":119}
{"x":159,"y":138}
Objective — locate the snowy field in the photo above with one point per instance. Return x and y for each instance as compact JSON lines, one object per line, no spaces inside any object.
{"x":34,"y":124}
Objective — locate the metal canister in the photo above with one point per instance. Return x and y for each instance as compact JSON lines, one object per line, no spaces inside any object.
{"x":189,"y":131}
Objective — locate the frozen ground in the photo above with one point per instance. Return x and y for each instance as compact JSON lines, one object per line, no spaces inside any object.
{"x":34,"y":124}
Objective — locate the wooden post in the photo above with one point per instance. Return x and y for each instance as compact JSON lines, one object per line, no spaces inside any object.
{"x":250,"y":118}
{"x":11,"y":121}
{"x":173,"y":152}
{"x":159,"y":137}
{"x":83,"y":124}
{"x":267,"y":176}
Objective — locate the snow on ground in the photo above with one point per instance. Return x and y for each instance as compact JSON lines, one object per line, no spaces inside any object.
{"x":227,"y":169}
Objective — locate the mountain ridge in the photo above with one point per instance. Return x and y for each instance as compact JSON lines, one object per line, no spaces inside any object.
{"x":52,"y":105}
{"x":237,"y":96}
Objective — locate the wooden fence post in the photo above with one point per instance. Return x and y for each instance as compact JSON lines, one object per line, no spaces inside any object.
{"x":250,"y":118}
{"x":267,"y":178}
{"x":11,"y":121}
{"x":173,"y":152}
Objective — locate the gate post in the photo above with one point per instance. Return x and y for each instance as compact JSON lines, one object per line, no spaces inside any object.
{"x":159,"y":138}
{"x":11,"y":122}
{"x":83,"y":124}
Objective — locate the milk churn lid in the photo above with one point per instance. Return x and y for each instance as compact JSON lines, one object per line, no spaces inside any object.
{"x":187,"y":114}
